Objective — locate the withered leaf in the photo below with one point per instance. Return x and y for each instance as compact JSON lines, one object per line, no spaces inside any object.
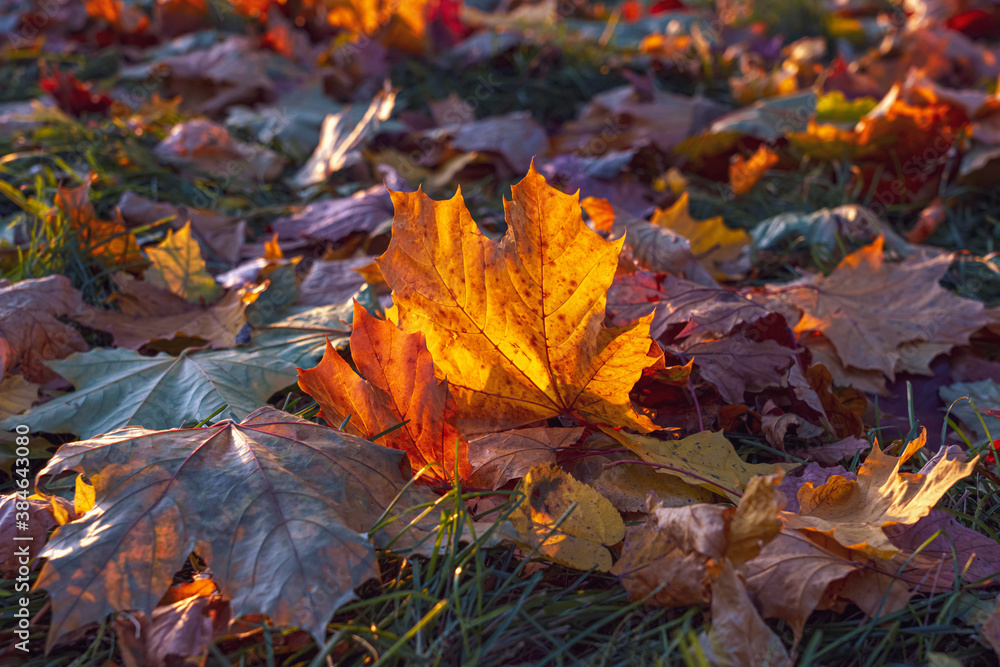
{"x":273,"y":493}
{"x":590,"y":524}
{"x":30,"y":331}
{"x":853,"y":512}
{"x":499,"y":457}
{"x":705,"y":459}
{"x":738,"y":635}
{"x":869,"y":309}
{"x":176,"y":265}
{"x":147,"y":313}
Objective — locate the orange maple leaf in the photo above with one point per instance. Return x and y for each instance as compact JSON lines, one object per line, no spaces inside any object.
{"x":517,"y":326}
{"x":107,"y":240}
{"x":398,"y":384}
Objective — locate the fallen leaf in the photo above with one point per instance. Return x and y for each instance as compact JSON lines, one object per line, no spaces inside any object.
{"x":301,"y":337}
{"x":208,"y":80}
{"x":340,"y":135}
{"x":16,"y":395}
{"x":176,"y":265}
{"x":705,"y":459}
{"x":991,"y":629}
{"x":737,"y":635}
{"x":147,"y":313}
{"x":736,"y":363}
{"x":40,"y":520}
{"x":628,"y":485}
{"x":220,"y":235}
{"x":853,"y":512}
{"x":177,"y":632}
{"x":677,"y":302}
{"x":622,"y":118}
{"x":976,"y":555}
{"x":107,"y":240}
{"x":590,"y":524}
{"x":745,"y":173}
{"x":712,"y":242}
{"x":30,"y":331}
{"x":116,"y":388}
{"x":394,"y":385}
{"x":271,"y":475}
{"x":497,"y":458}
{"x":207,"y":147}
{"x":869,"y":309}
{"x":333,"y":219}
{"x":516,"y":326}
{"x":678,"y":551}
{"x":332,"y":282}
{"x":517,"y":137}
{"x":791,"y":578}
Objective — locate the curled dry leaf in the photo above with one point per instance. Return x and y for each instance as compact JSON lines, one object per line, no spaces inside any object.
{"x":566,"y":520}
{"x":517,"y":326}
{"x":342,"y":133}
{"x":273,"y":493}
{"x":31,"y":333}
{"x":679,"y":550}
{"x":396,"y":385}
{"x":853,"y":512}
{"x":738,"y":636}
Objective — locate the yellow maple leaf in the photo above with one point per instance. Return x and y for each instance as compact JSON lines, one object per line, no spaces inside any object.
{"x":711,"y":241}
{"x":517,"y":326}
{"x":853,"y":512}
{"x":177,"y":266}
{"x":706,"y":459}
{"x":567,"y":520}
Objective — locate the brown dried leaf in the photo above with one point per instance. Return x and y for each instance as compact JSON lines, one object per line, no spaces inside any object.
{"x":870,"y":309}
{"x":497,"y":458}
{"x":853,"y":512}
{"x":30,"y":332}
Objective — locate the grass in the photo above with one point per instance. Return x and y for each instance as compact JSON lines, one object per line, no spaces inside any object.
{"x":473,"y":604}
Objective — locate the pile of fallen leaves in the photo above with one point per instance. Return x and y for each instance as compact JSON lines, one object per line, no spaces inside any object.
{"x":262,"y":308}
